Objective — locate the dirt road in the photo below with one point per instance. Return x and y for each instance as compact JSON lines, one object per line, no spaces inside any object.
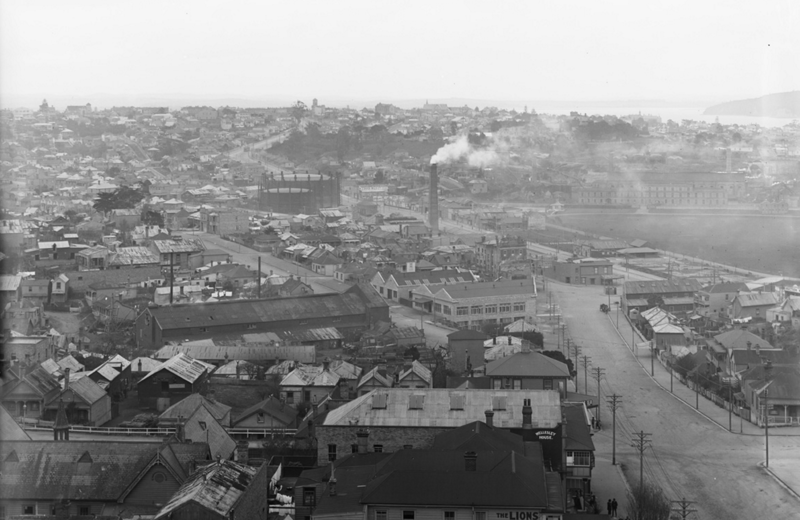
{"x":691,"y":457}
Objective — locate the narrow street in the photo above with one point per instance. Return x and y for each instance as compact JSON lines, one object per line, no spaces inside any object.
{"x":691,"y":457}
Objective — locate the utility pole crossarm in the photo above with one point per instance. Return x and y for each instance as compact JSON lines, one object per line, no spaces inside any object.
{"x":682,"y":507}
{"x":614,"y":401}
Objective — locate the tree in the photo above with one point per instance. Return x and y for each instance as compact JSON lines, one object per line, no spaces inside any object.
{"x":123,"y":197}
{"x":299,"y":111}
{"x":344,"y":143}
{"x":152,"y":218}
{"x":648,"y":502}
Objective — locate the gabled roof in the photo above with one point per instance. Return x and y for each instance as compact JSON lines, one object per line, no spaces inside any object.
{"x":527,"y":364}
{"x":345,"y":370}
{"x":70,"y":363}
{"x":147,"y":364}
{"x":9,"y":429}
{"x":50,"y":470}
{"x":757,"y":299}
{"x":737,"y":340}
{"x":376,"y":374}
{"x":419,"y":370}
{"x":305,"y":375}
{"x":273,"y":407}
{"x":202,"y":427}
{"x":217,"y":488}
{"x":182,"y":366}
{"x":84,"y":388}
{"x":39,"y":380}
{"x":186,"y":407}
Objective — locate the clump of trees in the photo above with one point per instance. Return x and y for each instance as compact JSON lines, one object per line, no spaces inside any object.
{"x":123,"y":197}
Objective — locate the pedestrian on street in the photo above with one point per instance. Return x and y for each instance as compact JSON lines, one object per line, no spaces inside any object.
{"x":593,"y":423}
{"x":614,"y":507}
{"x":608,"y":506}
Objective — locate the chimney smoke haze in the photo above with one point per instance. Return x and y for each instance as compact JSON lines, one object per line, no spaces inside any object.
{"x":462,"y":149}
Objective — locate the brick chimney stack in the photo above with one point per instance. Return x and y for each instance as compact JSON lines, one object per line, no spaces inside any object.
{"x":489,"y":418}
{"x":527,"y":415}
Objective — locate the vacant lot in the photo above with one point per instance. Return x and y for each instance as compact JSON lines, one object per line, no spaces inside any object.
{"x":769,"y":244}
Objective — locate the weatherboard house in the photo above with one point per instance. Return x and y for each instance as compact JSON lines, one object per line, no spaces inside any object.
{"x":172,"y":381}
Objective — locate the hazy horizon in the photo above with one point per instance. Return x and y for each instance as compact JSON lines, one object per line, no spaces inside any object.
{"x":352,"y":52}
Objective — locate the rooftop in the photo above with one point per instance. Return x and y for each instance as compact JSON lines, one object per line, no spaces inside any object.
{"x":441,"y":407}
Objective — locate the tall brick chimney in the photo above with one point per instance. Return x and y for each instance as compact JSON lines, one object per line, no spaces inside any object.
{"x":527,"y":415}
{"x":362,"y":437}
{"x":433,"y":216}
{"x":242,"y":452}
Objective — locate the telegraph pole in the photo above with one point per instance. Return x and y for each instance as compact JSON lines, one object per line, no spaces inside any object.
{"x":599,"y":372}
{"x":615,"y":401}
{"x":641,"y":442}
{"x":577,"y":351}
{"x":683,"y":508}
{"x":586,"y":362}
{"x":652,"y":357}
{"x":730,"y":406}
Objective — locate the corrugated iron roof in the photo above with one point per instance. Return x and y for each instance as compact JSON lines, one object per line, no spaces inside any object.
{"x":248,"y":352}
{"x":258,"y":311}
{"x":217,"y":488}
{"x":436,"y":411}
{"x":182,"y":366}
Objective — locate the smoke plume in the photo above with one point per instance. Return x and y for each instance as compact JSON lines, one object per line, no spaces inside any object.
{"x":461,"y":149}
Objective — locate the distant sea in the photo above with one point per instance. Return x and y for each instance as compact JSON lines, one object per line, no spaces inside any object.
{"x":677,"y":114}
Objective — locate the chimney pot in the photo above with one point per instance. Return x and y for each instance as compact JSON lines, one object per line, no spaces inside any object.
{"x":527,"y":415}
{"x":489,"y":418}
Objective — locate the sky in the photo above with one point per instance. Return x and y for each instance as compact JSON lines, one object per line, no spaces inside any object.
{"x":109,"y":52}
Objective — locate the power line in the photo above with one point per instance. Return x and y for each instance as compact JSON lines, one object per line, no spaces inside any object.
{"x":598,"y":373}
{"x":641,"y":442}
{"x":683,"y":508}
{"x":615,"y":401}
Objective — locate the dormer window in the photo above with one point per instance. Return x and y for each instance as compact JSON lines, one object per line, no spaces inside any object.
{"x":416,"y":401}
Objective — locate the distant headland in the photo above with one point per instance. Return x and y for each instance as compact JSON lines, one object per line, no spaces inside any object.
{"x":783,"y":104}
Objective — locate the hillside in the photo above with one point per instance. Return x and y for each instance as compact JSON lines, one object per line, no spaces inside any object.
{"x":784,"y":104}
